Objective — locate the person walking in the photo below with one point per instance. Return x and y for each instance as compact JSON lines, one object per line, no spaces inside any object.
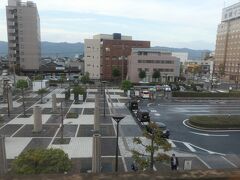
{"x":174,"y":162}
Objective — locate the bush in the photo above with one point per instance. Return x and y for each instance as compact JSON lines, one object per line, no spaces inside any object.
{"x":216,"y":122}
{"x":204,"y":94}
{"x":37,"y":161}
{"x":72,"y":115}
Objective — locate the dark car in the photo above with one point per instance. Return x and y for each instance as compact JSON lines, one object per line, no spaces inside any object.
{"x":143,"y":115}
{"x":163,"y":127}
{"x":133,"y":105}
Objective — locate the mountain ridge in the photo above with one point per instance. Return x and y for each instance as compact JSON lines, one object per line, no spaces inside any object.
{"x":65,"y":49}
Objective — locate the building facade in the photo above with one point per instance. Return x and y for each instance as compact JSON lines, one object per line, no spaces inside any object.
{"x":23,"y":27}
{"x":227,"y":53}
{"x":105,"y":52}
{"x":150,"y":60}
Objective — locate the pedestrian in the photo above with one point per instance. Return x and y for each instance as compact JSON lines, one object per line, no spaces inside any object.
{"x":134,"y":167}
{"x":174,"y":162}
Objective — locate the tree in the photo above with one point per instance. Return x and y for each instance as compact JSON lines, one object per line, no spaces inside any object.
{"x":156,"y":75}
{"x":85,"y":79}
{"x":78,"y":90}
{"x":42,"y":92}
{"x":37,"y":161}
{"x":142,"y":74}
{"x":221,"y":70}
{"x":116,"y":72}
{"x":154,"y":143}
{"x":126,"y":85}
{"x":62,"y":79}
{"x":22,"y":84}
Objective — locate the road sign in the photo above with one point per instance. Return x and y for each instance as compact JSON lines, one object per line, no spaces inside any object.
{"x":187,"y":165}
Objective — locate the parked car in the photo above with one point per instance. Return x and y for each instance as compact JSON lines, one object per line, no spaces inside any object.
{"x":163,"y":127}
{"x":145,"y":94}
{"x":133,"y":105}
{"x":143,"y":115}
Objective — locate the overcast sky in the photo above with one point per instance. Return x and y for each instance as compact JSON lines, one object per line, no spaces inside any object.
{"x":175,"y":23}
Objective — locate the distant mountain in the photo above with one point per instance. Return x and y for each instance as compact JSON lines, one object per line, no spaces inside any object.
{"x":192,"y":54}
{"x":65,"y":49}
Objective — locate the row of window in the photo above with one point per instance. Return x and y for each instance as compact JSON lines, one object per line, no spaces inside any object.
{"x":156,"y":61}
{"x":160,"y":70}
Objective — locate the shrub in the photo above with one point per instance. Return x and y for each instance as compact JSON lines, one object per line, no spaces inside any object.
{"x":37,"y":161}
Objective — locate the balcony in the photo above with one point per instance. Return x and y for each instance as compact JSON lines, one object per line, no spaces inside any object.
{"x":12,"y":45}
{"x":12,"y":31}
{"x":11,"y":23}
{"x":12,"y":38}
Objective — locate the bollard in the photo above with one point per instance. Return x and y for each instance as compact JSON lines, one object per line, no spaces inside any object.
{"x":37,"y":119}
{"x":96,"y":153}
{"x":54,"y":103}
{"x":3,"y":159}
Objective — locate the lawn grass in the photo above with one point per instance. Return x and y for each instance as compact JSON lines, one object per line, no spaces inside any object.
{"x":216,"y":122}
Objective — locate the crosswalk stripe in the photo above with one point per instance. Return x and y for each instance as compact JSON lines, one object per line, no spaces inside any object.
{"x":189,"y":147}
{"x":234,"y":165}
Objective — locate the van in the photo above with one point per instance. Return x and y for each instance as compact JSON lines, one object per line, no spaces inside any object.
{"x":145,"y":95}
{"x":143,"y":115}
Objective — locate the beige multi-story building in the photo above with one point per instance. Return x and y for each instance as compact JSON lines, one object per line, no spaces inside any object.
{"x":105,"y":52}
{"x":227,"y":53}
{"x":150,"y":60}
{"x":23,"y":27}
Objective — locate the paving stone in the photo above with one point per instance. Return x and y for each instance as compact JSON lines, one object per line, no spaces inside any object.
{"x":54,"y":119}
{"x":130,"y":130}
{"x":105,"y":120}
{"x":76,"y":110}
{"x":85,"y":131}
{"x":123,"y":100}
{"x":36,"y":143}
{"x":114,"y":100}
{"x":59,"y":141}
{"x":108,"y":164}
{"x":82,"y":165}
{"x":10,"y":129}
{"x":47,"y":131}
{"x":6,"y":119}
{"x":108,"y":146}
{"x":90,"y":100}
{"x":88,"y":111}
{"x":107,"y":130}
{"x":68,"y":131}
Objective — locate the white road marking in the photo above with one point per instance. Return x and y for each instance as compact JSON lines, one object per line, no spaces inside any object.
{"x":234,"y":165}
{"x":157,"y":114}
{"x":172,"y":144}
{"x":214,"y":135}
{"x":153,"y":110}
{"x":209,"y":167}
{"x":149,"y":104}
{"x":189,"y":147}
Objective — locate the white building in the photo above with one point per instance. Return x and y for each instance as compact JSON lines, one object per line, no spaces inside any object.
{"x":23,"y":26}
{"x":183,"y":56}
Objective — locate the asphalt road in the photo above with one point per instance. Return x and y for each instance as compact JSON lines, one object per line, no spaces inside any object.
{"x":174,"y":113}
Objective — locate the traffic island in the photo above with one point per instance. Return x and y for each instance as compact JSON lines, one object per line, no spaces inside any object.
{"x":218,"y":122}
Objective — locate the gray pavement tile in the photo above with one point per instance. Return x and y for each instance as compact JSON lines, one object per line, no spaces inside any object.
{"x":54,"y":119}
{"x":6,"y":119}
{"x":107,"y":130}
{"x":25,"y":116}
{"x":107,"y":111}
{"x":114,"y":100}
{"x":108,"y":164}
{"x":36,"y":143}
{"x":108,"y":146}
{"x":59,"y":141}
{"x":196,"y":163}
{"x":85,"y":131}
{"x":10,"y":129}
{"x":90,"y":100}
{"x":81,"y":165}
{"x":76,"y":110}
{"x":105,"y":120}
{"x":123,"y":100}
{"x":130,"y":130}
{"x":68,"y":131}
{"x":123,"y":111}
{"x":29,"y":111}
{"x":47,"y":131}
{"x":120,"y":94}
{"x":88,"y":111}
{"x":47,"y":111}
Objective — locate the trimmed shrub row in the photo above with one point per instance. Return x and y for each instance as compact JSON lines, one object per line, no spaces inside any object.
{"x":205,"y":94}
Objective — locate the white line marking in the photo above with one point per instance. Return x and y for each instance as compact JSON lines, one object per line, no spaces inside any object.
{"x":157,"y":114}
{"x":184,"y":123}
{"x":214,"y":135}
{"x":153,"y":110}
{"x":234,"y":165}
{"x":189,"y":147}
{"x":172,"y":144}
{"x":209,"y":167}
{"x":148,"y":105}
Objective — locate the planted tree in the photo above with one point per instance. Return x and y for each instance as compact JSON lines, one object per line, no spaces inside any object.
{"x":154,"y":142}
{"x":37,"y":161}
{"x":156,"y":75}
{"x":126,"y":85}
{"x":78,"y":90}
{"x":85,"y":79}
{"x":142,"y":74}
{"x":116,"y":73}
{"x":22,"y":85}
{"x":41,"y":92}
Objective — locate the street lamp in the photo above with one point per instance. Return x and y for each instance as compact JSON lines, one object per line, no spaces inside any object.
{"x":117,"y":118}
{"x":7,"y":86}
{"x":237,"y":79}
{"x":104,"y":96}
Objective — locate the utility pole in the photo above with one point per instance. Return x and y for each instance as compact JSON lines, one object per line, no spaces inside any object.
{"x":61,"y":123}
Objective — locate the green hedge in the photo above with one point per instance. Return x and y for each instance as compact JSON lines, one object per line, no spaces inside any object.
{"x":205,"y":94}
{"x":216,"y":122}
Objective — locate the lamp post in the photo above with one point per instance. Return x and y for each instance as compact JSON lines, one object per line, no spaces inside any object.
{"x":62,"y":125}
{"x":7,"y":89}
{"x":104,"y":97}
{"x":237,"y":76}
{"x":117,"y":118}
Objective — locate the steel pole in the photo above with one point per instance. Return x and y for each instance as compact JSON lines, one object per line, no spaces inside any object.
{"x":116,"y":158}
